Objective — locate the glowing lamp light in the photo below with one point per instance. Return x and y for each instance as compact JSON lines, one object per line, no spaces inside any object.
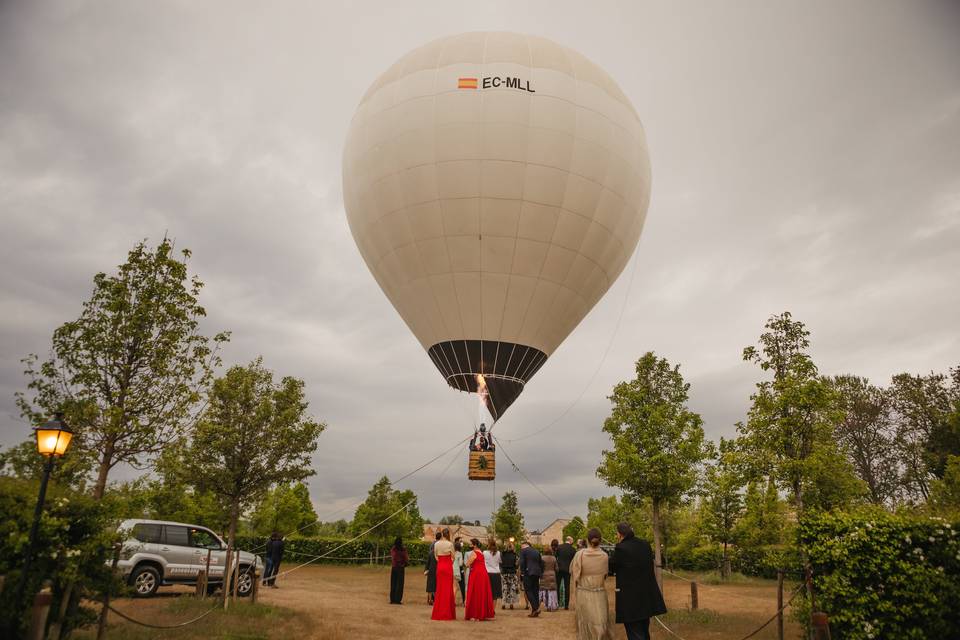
{"x":53,"y":436}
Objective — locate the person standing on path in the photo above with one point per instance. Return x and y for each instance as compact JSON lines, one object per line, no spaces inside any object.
{"x":548,"y":581}
{"x":564,"y":553}
{"x":638,"y":594}
{"x":589,"y":596}
{"x":511,"y":582}
{"x":531,"y":568}
{"x":491,"y":560}
{"x":444,"y":602}
{"x":458,"y":568}
{"x":398,"y":562}
{"x":479,"y":605}
{"x":274,"y":557}
{"x":431,"y":569}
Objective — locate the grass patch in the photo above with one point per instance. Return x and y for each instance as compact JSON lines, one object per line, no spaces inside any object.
{"x":243,"y":621}
{"x":687,"y":616}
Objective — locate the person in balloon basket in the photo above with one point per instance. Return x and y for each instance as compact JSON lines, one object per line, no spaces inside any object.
{"x":638,"y":594}
{"x":531,"y":568}
{"x":431,"y":569}
{"x":444,"y":602}
{"x":274,"y":556}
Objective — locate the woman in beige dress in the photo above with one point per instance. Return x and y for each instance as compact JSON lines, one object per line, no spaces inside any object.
{"x":589,"y":594}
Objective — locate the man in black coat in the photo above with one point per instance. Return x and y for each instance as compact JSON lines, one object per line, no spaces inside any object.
{"x":638,"y":594}
{"x":531,"y":568}
{"x":565,"y":553}
{"x":274,"y":557}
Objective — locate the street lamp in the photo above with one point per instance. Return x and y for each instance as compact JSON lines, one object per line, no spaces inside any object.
{"x":53,"y":438}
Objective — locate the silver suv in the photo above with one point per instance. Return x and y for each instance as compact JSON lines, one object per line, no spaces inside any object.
{"x":158,"y":553}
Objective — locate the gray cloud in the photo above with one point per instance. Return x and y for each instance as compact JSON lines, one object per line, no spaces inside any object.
{"x":805,"y":157}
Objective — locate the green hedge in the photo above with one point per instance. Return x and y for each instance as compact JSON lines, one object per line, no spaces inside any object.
{"x":763,"y":562}
{"x":297,"y":550}
{"x":882,"y":575}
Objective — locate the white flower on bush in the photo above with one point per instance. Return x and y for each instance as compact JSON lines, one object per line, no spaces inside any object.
{"x":907,"y":538}
{"x":73,"y":553}
{"x":868,"y":628}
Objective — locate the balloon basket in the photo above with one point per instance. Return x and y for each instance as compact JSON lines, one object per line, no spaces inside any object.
{"x":482,"y":466}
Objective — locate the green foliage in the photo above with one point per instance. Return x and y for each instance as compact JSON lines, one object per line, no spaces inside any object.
{"x":789,"y":430}
{"x":605,"y":513}
{"x":286,"y":509}
{"x":866,"y":434}
{"x":576,"y":529}
{"x":721,"y":502}
{"x":454,"y":519}
{"x":129,"y":372}
{"x":945,"y":493}
{"x":657,"y":442}
{"x":507,"y":520}
{"x":254,"y":434}
{"x":759,"y":561}
{"x":72,"y":546}
{"x":881,"y":575}
{"x":383,"y":502}
{"x":299,"y":550}
{"x":763,"y":520}
{"x":335,"y":529}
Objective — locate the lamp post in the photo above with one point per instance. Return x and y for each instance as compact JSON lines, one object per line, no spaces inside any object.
{"x":53,"y":438}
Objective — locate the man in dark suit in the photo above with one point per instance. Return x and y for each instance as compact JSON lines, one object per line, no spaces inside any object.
{"x":565,"y":553}
{"x":531,"y":568}
{"x":638,"y":594}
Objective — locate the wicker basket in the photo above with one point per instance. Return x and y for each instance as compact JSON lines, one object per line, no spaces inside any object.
{"x":483,"y":465}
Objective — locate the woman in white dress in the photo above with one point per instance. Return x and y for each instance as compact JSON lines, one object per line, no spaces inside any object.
{"x":491,"y":558}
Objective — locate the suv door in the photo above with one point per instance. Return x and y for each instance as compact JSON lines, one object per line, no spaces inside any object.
{"x":206,"y":545}
{"x":178,"y":553}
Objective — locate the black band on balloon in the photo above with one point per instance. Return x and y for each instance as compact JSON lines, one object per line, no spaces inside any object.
{"x":506,"y":368}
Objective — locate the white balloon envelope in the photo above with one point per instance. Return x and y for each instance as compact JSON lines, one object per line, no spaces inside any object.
{"x":496,"y":185}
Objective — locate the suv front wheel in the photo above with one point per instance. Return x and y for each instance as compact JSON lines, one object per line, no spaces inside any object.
{"x":145,"y":580}
{"x":245,"y":582}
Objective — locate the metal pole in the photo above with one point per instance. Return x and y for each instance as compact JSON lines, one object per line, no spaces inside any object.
{"x":34,"y":529}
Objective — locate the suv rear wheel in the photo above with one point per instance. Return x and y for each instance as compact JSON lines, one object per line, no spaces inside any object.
{"x":145,"y":580}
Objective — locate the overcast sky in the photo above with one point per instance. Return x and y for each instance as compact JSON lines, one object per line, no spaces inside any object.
{"x":806,"y":156}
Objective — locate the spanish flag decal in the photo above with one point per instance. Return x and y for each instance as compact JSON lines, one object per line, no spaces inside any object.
{"x":467,"y":83}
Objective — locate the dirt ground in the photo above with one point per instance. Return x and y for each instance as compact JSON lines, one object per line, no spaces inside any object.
{"x":337,"y":602}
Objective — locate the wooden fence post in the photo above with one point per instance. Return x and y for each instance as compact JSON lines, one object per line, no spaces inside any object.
{"x":201,"y":589}
{"x":821,"y":625}
{"x":38,"y":616}
{"x":256,"y":585}
{"x":102,"y":626}
{"x":694,"y":597}
{"x":779,"y":604}
{"x":57,"y":625}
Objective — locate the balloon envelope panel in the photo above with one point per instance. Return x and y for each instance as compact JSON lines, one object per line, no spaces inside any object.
{"x":496,"y":185}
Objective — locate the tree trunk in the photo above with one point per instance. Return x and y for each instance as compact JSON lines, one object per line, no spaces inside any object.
{"x":657,"y":558}
{"x":106,"y":462}
{"x":725,"y":568}
{"x":228,"y":567}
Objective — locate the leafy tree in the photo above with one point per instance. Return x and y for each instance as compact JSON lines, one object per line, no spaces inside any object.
{"x":865,"y":433}
{"x":335,"y":529}
{"x":927,"y":430}
{"x":254,"y":434}
{"x":789,"y":429}
{"x":722,"y":503}
{"x":130,"y":371}
{"x":454,"y":519}
{"x":287,"y":509}
{"x":606,"y":512}
{"x":576,"y":529}
{"x":657,"y":442}
{"x":763,"y":520}
{"x":389,"y":512}
{"x":945,"y":492}
{"x":507,"y":520}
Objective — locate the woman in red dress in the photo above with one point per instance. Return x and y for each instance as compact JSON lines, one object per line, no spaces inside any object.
{"x":444,"y":602}
{"x":479,"y":605}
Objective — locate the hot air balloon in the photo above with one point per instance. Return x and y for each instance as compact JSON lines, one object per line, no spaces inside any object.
{"x":496,"y":185}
